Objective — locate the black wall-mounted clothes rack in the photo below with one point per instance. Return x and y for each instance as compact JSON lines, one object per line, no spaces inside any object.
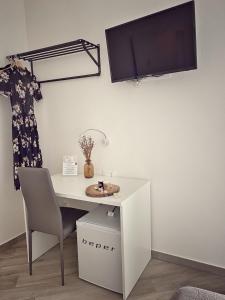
{"x":60,"y":50}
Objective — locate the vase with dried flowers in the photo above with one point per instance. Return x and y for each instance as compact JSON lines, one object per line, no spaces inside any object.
{"x":87,"y":144}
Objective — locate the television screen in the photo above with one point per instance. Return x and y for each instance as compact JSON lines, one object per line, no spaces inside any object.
{"x":157,"y":44}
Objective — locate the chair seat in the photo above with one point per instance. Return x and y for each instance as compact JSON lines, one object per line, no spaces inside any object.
{"x":69,"y":217}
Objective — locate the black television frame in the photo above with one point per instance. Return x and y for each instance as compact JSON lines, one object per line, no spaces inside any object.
{"x":158,"y":74}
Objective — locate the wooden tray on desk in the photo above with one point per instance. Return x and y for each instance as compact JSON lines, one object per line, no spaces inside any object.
{"x":110,"y":189}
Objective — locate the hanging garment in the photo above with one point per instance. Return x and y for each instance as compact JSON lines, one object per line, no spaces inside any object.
{"x":22,"y":88}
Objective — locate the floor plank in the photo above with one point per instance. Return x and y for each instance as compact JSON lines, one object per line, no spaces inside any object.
{"x":158,"y":282}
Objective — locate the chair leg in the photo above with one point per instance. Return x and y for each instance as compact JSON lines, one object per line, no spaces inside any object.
{"x":62,"y":261}
{"x":30,"y":251}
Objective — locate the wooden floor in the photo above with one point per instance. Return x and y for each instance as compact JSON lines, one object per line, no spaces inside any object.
{"x":159,"y":280}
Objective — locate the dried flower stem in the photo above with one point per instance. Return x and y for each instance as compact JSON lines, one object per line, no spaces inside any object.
{"x":86,"y":144}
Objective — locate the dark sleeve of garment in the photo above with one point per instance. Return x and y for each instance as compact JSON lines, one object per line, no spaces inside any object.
{"x":36,"y":87}
{"x":5,"y":87}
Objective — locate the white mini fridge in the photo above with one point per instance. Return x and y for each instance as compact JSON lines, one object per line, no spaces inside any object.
{"x":99,"y":248}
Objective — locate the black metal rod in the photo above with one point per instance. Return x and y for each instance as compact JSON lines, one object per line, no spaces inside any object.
{"x":32,"y":67}
{"x":99,"y":59}
{"x":90,"y":55}
{"x":50,"y":55}
{"x":61,"y":50}
{"x":51,"y":48}
{"x":50,"y":52}
{"x":90,"y":44}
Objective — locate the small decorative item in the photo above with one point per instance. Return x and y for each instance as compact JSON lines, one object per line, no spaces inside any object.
{"x":70,"y":165}
{"x":87,"y":144}
{"x":102,"y":189}
{"x":101,"y":185}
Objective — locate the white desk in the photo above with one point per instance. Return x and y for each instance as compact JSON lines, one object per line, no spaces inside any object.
{"x":135,"y":218}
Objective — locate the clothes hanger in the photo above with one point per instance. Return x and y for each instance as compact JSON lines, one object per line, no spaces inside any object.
{"x":16,"y":62}
{"x":19,"y":64}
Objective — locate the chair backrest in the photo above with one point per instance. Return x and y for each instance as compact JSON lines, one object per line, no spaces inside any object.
{"x":43,"y":212}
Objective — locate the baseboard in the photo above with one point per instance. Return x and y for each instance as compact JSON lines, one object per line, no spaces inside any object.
{"x":188,"y":263}
{"x":11,"y":242}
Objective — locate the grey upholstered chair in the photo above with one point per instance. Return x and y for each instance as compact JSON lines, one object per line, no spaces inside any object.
{"x":43,"y":211}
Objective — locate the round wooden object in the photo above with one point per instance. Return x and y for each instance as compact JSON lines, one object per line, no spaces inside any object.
{"x":109,"y":190}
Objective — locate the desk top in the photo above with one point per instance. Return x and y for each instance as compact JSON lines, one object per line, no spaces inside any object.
{"x":74,"y":187}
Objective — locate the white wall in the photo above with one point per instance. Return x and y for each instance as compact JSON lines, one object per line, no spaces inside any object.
{"x":169,"y":130}
{"x":13,"y":39}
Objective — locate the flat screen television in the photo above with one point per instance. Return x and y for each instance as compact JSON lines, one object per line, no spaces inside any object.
{"x":157,"y":44}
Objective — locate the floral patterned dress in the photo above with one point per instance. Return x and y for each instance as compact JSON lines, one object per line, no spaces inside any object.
{"x":22,"y":88}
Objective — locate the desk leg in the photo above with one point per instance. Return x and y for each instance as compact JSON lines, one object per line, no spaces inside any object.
{"x":135,"y":237}
{"x":41,"y":242}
